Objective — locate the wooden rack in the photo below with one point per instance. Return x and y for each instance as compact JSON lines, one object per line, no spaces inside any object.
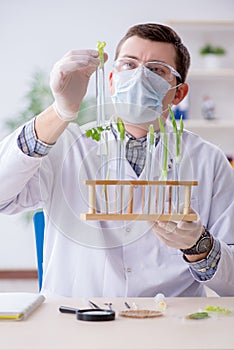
{"x":163,"y":208}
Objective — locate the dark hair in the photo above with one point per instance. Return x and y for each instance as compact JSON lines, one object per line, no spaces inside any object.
{"x":162,"y":33}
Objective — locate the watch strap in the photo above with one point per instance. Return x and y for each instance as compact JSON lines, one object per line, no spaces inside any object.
{"x":195,"y":249}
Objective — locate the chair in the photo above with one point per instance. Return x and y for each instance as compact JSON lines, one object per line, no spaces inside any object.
{"x":39,"y":225}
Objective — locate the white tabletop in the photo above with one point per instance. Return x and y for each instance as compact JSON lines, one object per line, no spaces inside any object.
{"x":47,"y":328}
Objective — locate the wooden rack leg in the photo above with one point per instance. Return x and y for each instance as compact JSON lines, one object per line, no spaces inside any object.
{"x":156,"y":199}
{"x":164,"y":199}
{"x":119,"y":192}
{"x":187,"y":199}
{"x":169,"y":199}
{"x":121,"y":199}
{"x":149,"y":198}
{"x":106,"y":198}
{"x":92,"y":199}
{"x":143,"y":199}
{"x":130,"y":200}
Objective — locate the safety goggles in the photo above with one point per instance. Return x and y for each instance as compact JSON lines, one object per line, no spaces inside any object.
{"x":162,"y":69}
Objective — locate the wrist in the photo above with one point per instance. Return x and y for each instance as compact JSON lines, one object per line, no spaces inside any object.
{"x":64,"y":116}
{"x":201,"y":248}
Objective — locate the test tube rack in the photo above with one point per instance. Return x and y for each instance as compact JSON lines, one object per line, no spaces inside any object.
{"x":166,"y":212}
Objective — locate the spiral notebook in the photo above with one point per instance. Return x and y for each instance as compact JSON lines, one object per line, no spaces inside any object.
{"x":19,"y":305}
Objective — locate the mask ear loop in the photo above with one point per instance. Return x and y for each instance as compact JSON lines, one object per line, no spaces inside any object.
{"x":167,"y":109}
{"x":176,"y":86}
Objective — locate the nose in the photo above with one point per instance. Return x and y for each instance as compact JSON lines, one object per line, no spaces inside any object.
{"x":142,"y":70}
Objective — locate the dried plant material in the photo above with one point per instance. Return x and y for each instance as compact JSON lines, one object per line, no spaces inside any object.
{"x":140,"y":313}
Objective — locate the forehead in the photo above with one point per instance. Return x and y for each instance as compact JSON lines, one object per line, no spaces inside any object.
{"x":148,"y":50}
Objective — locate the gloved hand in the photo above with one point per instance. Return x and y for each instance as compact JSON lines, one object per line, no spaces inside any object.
{"x":69,"y":80}
{"x":181,"y":235}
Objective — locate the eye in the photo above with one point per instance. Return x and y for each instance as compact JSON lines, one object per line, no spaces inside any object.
{"x":128,"y":64}
{"x":157,"y":69}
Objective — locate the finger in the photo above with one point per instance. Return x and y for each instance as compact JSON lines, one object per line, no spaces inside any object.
{"x":189,"y":226}
{"x":105,"y":56}
{"x":168,"y":226}
{"x":75,"y":63}
{"x":167,"y":238}
{"x":93,"y":53}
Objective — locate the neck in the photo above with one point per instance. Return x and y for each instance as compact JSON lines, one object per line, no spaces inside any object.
{"x":140,"y":130}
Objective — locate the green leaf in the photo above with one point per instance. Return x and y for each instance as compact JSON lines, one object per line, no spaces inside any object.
{"x":95,"y":133}
{"x":88,"y":133}
{"x":174,"y":125}
{"x":175,"y":129}
{"x":165,"y":153}
{"x":198,"y":315}
{"x":121,"y":128}
{"x":161,"y":125}
{"x":151,"y":133}
{"x":100,"y":48}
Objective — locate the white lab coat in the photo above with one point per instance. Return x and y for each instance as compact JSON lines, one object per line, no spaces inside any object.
{"x":113,"y":259}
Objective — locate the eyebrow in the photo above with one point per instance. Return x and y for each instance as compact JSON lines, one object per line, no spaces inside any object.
{"x":151,"y":60}
{"x":129,"y":56}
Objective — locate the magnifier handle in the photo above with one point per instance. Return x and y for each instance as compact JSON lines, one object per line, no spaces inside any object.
{"x":67,"y":310}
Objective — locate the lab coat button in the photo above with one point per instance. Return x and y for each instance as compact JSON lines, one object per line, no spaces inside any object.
{"x":128,"y":229}
{"x":128,"y":269}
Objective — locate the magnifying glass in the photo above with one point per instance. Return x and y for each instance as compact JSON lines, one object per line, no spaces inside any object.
{"x":89,"y":314}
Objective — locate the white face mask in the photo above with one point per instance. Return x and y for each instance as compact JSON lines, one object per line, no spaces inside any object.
{"x":138,"y":95}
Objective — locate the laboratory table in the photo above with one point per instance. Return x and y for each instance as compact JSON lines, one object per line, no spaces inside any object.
{"x":47,"y":328}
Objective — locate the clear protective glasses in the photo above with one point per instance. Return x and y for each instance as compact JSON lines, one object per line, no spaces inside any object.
{"x":162,"y":69}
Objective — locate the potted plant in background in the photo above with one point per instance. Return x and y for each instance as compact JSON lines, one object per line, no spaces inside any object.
{"x":38,"y":98}
{"x":212,"y":56}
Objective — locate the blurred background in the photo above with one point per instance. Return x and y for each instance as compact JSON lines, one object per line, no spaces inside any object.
{"x":35,"y":34}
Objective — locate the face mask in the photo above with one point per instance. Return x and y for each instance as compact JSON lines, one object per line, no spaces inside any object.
{"x":138,"y":95}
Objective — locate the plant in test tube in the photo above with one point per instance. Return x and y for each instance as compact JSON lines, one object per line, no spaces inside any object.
{"x":100,"y":85}
{"x":120,"y":149}
{"x":164,"y":150}
{"x":148,"y":166}
{"x":164,"y":159}
{"x":101,"y":120}
{"x":178,"y":133}
{"x":120,"y":162}
{"x":178,"y":155}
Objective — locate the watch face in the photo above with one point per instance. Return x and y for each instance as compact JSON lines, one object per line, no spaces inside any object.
{"x":204,"y":245}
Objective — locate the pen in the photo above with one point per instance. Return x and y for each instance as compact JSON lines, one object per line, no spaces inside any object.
{"x":127,"y":305}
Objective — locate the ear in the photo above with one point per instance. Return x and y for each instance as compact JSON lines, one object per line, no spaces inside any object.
{"x":180,"y":94}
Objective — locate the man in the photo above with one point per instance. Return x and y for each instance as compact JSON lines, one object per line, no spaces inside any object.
{"x":47,"y":161}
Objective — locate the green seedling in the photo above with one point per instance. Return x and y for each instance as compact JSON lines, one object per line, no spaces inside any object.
{"x":177,"y":132}
{"x":151,"y":133}
{"x":95,"y":133}
{"x":165,"y":151}
{"x":121,"y":128}
{"x":100,"y":48}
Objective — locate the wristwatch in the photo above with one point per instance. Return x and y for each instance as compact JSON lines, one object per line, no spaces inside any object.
{"x":203,"y":244}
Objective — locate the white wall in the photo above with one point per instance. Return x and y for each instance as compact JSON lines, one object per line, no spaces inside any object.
{"x":34,"y":34}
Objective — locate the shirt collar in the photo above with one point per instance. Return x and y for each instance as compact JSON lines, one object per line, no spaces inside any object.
{"x":131,"y":137}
